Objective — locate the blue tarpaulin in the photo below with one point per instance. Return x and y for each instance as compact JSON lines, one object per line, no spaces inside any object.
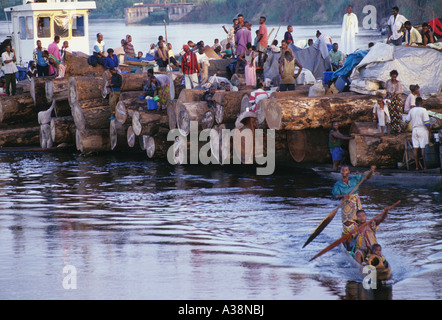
{"x":351,"y":62}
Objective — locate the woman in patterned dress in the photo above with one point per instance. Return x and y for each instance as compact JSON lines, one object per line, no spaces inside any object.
{"x":396,"y":105}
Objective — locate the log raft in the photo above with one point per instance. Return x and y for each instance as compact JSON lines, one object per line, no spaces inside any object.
{"x":317,"y":112}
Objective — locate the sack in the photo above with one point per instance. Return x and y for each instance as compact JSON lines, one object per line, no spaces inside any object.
{"x":316,"y":90}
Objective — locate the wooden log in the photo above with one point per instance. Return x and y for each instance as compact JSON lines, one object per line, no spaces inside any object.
{"x":96,"y":140}
{"x":125,"y":95}
{"x":130,"y":82}
{"x":191,"y":95}
{"x":381,"y":151}
{"x":309,"y":146}
{"x":91,"y":114}
{"x":148,"y":122}
{"x":38,"y":92}
{"x":118,"y":136}
{"x":208,"y":119}
{"x":172,"y":113}
{"x":157,"y":146}
{"x":190,"y":111}
{"x":77,"y":65}
{"x":19,"y":136}
{"x":131,"y":137}
{"x":365,"y":128}
{"x":433,"y":103}
{"x":318,"y":112}
{"x":18,"y":108}
{"x":221,"y":143}
{"x":63,"y":130}
{"x":228,"y":105}
{"x":84,"y":88}
{"x":57,"y":89}
{"x":125,"y":109}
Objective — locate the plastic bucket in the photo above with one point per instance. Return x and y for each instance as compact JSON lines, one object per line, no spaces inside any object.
{"x":151,"y":104}
{"x":432,"y":156}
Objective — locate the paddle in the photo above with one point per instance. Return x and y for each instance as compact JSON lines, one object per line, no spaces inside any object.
{"x":171,"y":85}
{"x":332,"y":214}
{"x":350,"y":234}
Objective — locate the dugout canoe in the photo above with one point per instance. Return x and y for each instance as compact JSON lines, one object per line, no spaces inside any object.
{"x":383,"y":273}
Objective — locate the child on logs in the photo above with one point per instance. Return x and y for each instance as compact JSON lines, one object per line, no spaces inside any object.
{"x":115,"y":88}
{"x":380,"y":112}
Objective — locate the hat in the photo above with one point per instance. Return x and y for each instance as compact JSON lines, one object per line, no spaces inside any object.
{"x":185,"y":47}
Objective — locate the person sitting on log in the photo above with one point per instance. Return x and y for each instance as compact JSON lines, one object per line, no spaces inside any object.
{"x":151,"y":86}
{"x":99,"y":52}
{"x":111,"y":60}
{"x":115,"y":89}
{"x":208,"y":96}
{"x":257,"y":95}
{"x":32,"y":71}
{"x":335,"y":142}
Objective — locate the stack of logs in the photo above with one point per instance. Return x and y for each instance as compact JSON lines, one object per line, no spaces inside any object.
{"x":301,"y":123}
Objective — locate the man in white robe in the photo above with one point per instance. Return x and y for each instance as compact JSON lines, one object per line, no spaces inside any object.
{"x":350,"y":27}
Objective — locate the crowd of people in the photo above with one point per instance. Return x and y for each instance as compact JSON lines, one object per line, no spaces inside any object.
{"x":391,"y":112}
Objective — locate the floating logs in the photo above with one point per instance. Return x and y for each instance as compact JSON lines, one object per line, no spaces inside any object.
{"x":148,"y":122}
{"x":172,"y":112}
{"x":77,"y":65}
{"x":191,"y":95}
{"x":19,"y":136}
{"x":63,"y":130}
{"x":309,"y":145}
{"x":84,"y":88}
{"x":91,"y":114}
{"x":131,"y":137}
{"x":130,"y":82}
{"x":95,"y":140}
{"x":157,"y":146}
{"x":18,"y":108}
{"x":57,"y":89}
{"x":126,"y":107}
{"x":190,"y":111}
{"x":38,"y":92}
{"x":381,"y":151}
{"x":118,"y":136}
{"x":317,"y":112}
{"x":228,"y":105}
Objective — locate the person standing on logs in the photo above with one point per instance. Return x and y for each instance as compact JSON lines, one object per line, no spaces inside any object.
{"x":115,"y":89}
{"x":342,"y":190}
{"x":334,"y":142}
{"x":10,"y":70}
{"x":190,"y":68}
{"x":396,"y":105}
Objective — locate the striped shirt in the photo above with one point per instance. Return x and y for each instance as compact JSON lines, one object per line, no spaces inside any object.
{"x":189,"y":63}
{"x":257,"y":96}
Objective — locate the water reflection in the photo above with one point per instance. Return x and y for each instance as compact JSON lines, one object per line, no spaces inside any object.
{"x":141,"y":229}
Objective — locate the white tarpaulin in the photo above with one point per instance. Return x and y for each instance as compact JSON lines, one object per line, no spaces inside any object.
{"x":420,"y":66}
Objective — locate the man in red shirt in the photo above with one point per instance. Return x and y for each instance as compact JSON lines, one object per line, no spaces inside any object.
{"x":190,"y":68}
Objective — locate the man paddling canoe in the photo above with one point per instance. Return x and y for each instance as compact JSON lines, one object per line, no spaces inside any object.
{"x":346,"y":190}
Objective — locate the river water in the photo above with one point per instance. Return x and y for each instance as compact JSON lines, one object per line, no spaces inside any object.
{"x":130,"y":228}
{"x":122,"y":227}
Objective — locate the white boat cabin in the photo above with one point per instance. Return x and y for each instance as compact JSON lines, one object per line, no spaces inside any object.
{"x":43,"y":20}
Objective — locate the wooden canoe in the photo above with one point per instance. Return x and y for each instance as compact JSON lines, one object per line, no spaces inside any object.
{"x":382,"y":274}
